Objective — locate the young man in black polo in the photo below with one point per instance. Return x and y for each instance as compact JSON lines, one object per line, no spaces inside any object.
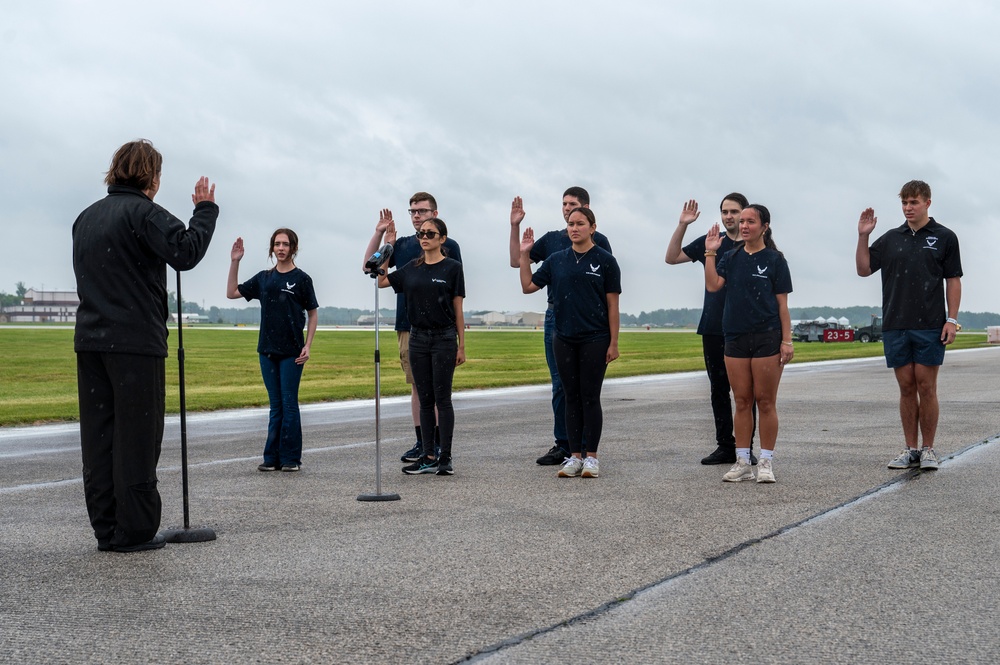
{"x":921,"y":291}
{"x":713,"y":342}
{"x":551,"y":242}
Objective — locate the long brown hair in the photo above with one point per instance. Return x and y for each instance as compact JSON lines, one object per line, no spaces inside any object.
{"x":293,"y":243}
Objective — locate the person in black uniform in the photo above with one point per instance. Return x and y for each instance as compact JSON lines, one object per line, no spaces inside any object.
{"x":758,"y":330}
{"x":434,"y":286}
{"x":287,"y":297}
{"x":713,"y":342}
{"x":584,"y":286}
{"x":548,"y":244}
{"x":121,"y":247}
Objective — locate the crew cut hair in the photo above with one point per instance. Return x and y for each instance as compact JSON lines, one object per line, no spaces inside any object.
{"x":915,"y":188}
{"x":737,"y":197}
{"x":424,"y":196}
{"x":136,"y":164}
{"x":578,"y":193}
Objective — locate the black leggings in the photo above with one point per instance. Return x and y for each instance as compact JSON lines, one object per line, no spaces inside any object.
{"x":581,"y":368}
{"x":432,"y":361}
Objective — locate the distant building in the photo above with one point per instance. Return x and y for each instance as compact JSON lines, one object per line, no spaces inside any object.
{"x":43,"y":307}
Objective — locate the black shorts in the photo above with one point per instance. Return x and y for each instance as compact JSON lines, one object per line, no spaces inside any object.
{"x":754,"y":345}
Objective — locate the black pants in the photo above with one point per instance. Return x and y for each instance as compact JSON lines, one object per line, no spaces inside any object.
{"x":121,"y":429}
{"x":432,"y":361}
{"x":581,"y":367}
{"x":714,"y":347}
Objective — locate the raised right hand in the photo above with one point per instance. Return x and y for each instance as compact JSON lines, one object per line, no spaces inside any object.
{"x":237,"y":252}
{"x":689,"y":213}
{"x":516,"y":211}
{"x":527,"y":240}
{"x":713,"y":241}
{"x":867,"y":222}
{"x":384,"y":220}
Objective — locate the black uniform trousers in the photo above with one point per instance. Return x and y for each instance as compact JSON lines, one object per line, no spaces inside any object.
{"x":121,"y":430}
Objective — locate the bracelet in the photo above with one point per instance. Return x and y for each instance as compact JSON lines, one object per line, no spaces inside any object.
{"x":710,"y":252}
{"x":951,"y":320}
{"x":788,"y":343}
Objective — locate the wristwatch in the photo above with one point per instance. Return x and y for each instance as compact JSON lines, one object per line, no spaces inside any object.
{"x":958,"y":326}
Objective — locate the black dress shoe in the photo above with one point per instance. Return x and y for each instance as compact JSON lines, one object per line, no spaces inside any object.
{"x":103,"y":545}
{"x":722,"y":455}
{"x":158,"y":541}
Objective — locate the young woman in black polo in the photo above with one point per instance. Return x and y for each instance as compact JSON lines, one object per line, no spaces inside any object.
{"x":434,"y":286}
{"x":758,"y":332}
{"x":584,"y":285}
{"x":287,"y":299}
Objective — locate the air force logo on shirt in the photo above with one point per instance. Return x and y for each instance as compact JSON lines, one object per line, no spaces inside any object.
{"x":931,"y":241}
{"x":594,"y":269}
{"x":288,"y":287}
{"x":761,"y":271}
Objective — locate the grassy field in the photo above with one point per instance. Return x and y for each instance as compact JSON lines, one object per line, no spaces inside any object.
{"x":38,"y":372}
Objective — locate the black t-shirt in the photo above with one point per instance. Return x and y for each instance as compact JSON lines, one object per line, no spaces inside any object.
{"x":914,"y":267}
{"x":715,"y":303}
{"x":557,"y":241}
{"x":578,"y":288}
{"x":407,"y":249}
{"x":430,"y":290}
{"x":752,"y":282}
{"x":284,"y":299}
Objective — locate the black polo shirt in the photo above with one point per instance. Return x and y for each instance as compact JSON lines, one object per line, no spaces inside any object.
{"x":715,"y":303}
{"x":914,"y":266}
{"x":578,"y":287}
{"x":752,"y":282}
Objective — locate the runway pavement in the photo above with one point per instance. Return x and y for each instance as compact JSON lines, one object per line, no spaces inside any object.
{"x":656,"y":561}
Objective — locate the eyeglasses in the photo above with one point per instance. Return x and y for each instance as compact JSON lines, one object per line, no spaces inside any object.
{"x":419,"y":211}
{"x":427,"y":234}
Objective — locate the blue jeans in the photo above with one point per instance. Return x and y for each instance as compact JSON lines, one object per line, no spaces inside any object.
{"x":558,"y":396}
{"x":432,"y":361}
{"x":284,"y":429}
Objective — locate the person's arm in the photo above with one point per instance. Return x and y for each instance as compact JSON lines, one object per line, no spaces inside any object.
{"x":384,"y":220}
{"x":675,"y":254}
{"x":182,"y":246}
{"x":313,"y":318}
{"x":516,"y":217}
{"x":862,"y":257}
{"x":713,"y":242}
{"x":232,"y":287}
{"x":953,"y":297}
{"x":527,"y":242}
{"x":787,"y":350}
{"x":459,"y":328}
{"x":614,"y":323}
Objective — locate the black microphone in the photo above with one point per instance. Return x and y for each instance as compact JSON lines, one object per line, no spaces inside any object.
{"x":378,"y":258}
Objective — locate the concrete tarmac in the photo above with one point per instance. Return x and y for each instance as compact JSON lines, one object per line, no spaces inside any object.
{"x":656,"y":561}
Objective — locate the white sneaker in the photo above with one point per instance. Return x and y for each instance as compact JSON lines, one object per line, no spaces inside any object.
{"x":739,"y":471}
{"x":571,"y":467}
{"x":590,"y":468}
{"x":765,"y":473}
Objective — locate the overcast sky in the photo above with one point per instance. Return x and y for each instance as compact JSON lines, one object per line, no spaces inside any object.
{"x":315,"y":115}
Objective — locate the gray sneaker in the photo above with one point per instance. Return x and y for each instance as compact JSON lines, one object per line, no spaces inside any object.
{"x":765,"y":472}
{"x":742,"y":470}
{"x":571,"y":467}
{"x":590,"y":468}
{"x":928,"y":460}
{"x":908,"y":459}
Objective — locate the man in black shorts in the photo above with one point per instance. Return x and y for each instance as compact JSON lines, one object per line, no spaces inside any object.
{"x":921,"y":291}
{"x":710,"y":326}
{"x":551,"y":242}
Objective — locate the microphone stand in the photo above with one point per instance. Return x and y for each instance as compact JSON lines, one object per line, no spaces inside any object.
{"x":378,"y":495}
{"x":187,"y":534}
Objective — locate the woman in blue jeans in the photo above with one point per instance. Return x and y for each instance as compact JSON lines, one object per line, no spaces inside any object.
{"x":434,"y":286}
{"x":286,"y":296}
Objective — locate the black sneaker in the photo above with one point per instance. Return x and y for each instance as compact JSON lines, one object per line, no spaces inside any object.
{"x":444,"y":467}
{"x":158,"y":541}
{"x":555,"y":456}
{"x":413,"y":454}
{"x":290,"y":468}
{"x":422,"y":465}
{"x":722,"y":455}
{"x":753,"y":459}
{"x":268,"y":467}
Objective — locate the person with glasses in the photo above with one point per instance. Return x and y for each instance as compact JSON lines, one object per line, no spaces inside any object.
{"x":543,"y":248}
{"x":434,"y":286}
{"x":287,"y":298}
{"x":423,"y":207}
{"x":584,"y":283}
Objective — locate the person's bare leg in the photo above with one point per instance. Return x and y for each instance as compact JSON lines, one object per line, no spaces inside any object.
{"x":766,"y":375}
{"x":909,"y":407}
{"x":927,"y":415}
{"x":741,"y":382}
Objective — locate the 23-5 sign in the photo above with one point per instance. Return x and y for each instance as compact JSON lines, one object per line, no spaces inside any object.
{"x":830,"y":335}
